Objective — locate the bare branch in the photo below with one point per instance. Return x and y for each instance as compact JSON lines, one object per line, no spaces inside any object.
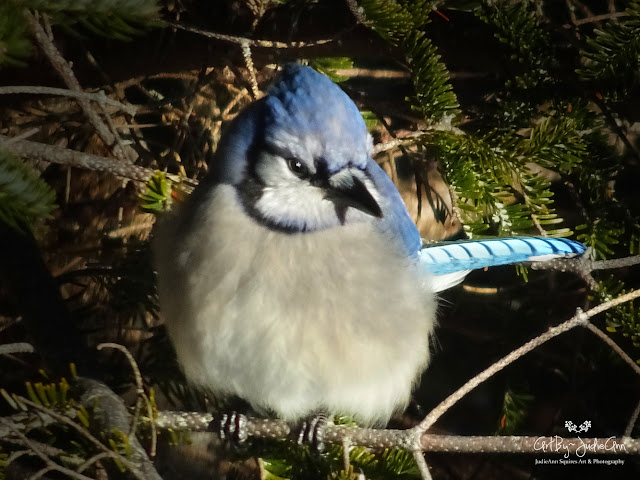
{"x":614,"y":346}
{"x":581,"y":266}
{"x":19,"y":347}
{"x":248,"y":41}
{"x":581,"y":318}
{"x":415,"y":439}
{"x":381,"y":439}
{"x":98,"y":97}
{"x":616,"y":263}
{"x":632,"y":421}
{"x":248,"y":61}
{"x":599,"y":18}
{"x":65,"y":71}
{"x":142,"y":396}
{"x":64,"y":156}
{"x":535,"y":445}
{"x":50,"y":464}
{"x":418,"y":456}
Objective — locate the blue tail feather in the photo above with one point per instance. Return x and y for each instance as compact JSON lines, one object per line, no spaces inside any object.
{"x":474,"y":254}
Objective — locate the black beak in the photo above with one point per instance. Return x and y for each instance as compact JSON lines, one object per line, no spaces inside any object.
{"x":347,"y":190}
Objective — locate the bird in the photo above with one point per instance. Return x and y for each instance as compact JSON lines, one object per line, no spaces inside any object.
{"x":294,"y":277}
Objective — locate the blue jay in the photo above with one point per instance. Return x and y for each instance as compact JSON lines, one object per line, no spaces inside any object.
{"x":294,"y":277}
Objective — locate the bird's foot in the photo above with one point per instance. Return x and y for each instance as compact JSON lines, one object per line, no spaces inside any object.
{"x":231,"y":426}
{"x":310,"y":431}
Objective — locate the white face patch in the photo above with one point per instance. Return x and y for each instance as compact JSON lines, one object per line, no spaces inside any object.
{"x":290,"y":201}
{"x":274,"y":172}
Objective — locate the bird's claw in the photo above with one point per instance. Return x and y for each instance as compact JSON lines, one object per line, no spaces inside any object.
{"x":231,"y":426}
{"x":311,"y":430}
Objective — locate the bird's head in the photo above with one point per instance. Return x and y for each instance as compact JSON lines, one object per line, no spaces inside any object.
{"x":299,"y":157}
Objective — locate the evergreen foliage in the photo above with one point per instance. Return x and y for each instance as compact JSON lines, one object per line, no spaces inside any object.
{"x":434,"y":94}
{"x":623,"y":319}
{"x":516,"y":26}
{"x":514,"y":410}
{"x":157,"y":197}
{"x":392,"y":19}
{"x":401,"y":22}
{"x":25,"y":199}
{"x":611,"y":57}
{"x":71,"y":442}
{"x":14,"y":41}
{"x":117,"y":19}
{"x":330,"y":65}
{"x":292,"y":462}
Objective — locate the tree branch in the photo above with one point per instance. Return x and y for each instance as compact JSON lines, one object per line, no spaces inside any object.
{"x":64,"y":156}
{"x":98,"y":97}
{"x":66,"y":72}
{"x":417,"y":440}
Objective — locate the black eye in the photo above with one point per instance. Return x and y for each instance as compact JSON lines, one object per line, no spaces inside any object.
{"x":297,"y":167}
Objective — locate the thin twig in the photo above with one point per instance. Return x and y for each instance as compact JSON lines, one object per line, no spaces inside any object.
{"x":581,"y":318}
{"x":248,"y":61}
{"x":96,"y":97}
{"x":421,"y":462}
{"x":48,"y":450}
{"x":249,"y":41}
{"x":113,"y":129}
{"x":18,"y":347}
{"x":24,"y":135}
{"x":346,"y":446}
{"x":141,"y":395}
{"x":84,"y":432}
{"x":96,"y":458}
{"x":599,"y":18}
{"x":617,"y":128}
{"x":141,"y":227}
{"x":45,"y":40}
{"x":632,"y":422}
{"x":411,"y":139}
{"x":614,"y":346}
{"x":616,"y":263}
{"x":437,"y":412}
{"x":397,"y":142}
{"x":51,"y":465}
{"x":64,"y":156}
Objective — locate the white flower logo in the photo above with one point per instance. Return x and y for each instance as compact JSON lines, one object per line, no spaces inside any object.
{"x":584,"y":426}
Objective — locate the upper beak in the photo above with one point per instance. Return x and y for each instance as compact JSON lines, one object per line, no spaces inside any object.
{"x":347,"y":190}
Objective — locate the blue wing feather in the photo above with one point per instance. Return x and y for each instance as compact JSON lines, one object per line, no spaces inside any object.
{"x":395,"y":222}
{"x":473,"y":254}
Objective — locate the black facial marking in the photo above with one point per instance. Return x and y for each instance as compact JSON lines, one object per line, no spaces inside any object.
{"x":251,"y":189}
{"x":322,"y":169}
{"x":362,"y":193}
{"x":341,"y":212}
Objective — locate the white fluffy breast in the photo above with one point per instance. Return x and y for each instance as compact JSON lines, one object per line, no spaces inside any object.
{"x":335,"y":320}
